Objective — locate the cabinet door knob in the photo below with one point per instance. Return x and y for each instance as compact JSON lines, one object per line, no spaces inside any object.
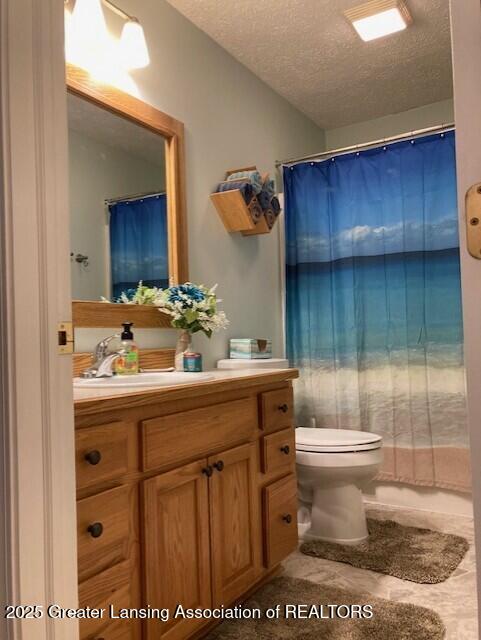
{"x":284,"y":408}
{"x":96,"y":529}
{"x":286,"y":449}
{"x":287,"y":518}
{"x":208,"y":471}
{"x":93,"y":457}
{"x":219,"y":465}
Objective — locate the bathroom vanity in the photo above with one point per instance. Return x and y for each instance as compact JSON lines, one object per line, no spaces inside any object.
{"x":186,"y":495}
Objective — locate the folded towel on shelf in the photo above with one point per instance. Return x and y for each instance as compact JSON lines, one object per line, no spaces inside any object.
{"x":244,"y":186}
{"x":270,"y":187}
{"x":255,"y":210}
{"x":275,"y":205}
{"x":270,"y":217}
{"x":254,"y":177}
{"x":264,"y":199}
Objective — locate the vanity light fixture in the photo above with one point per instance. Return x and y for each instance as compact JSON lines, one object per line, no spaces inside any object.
{"x":87,"y":27}
{"x":133,"y":46}
{"x":87,"y":35}
{"x":379,"y":18}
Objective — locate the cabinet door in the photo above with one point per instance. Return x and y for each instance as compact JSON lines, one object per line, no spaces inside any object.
{"x":234,"y":517}
{"x":176,"y":547}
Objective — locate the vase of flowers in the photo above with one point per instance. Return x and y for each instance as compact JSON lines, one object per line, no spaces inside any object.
{"x":184,"y":345}
{"x":192,"y":308}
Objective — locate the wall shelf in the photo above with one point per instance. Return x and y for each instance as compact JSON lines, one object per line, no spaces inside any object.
{"x":237,"y":215}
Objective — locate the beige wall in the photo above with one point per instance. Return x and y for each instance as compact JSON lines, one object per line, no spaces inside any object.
{"x":98,"y":171}
{"x":429,"y":115}
{"x":232,"y":119}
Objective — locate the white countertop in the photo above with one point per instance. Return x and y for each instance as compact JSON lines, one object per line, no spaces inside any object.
{"x":218,"y":376}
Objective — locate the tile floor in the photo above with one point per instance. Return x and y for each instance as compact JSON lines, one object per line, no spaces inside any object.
{"x":454,"y":599}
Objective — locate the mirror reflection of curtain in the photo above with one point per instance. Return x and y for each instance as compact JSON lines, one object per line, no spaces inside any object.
{"x":374,"y":319}
{"x":138,"y":243}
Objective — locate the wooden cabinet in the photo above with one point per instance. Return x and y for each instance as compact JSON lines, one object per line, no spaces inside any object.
{"x":234,"y":522}
{"x":101,"y":454}
{"x":280,"y":520}
{"x":104,"y":534}
{"x":176,"y":545}
{"x":183,"y":501}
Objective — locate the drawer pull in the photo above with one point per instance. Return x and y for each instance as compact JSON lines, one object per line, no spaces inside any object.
{"x":284,"y":408}
{"x":93,"y":457}
{"x":286,"y":449}
{"x":287,"y":518}
{"x":208,"y":471}
{"x":96,"y":529}
{"x":219,"y":465}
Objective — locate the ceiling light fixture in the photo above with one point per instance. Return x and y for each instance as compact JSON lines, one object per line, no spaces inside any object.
{"x":379,"y":18}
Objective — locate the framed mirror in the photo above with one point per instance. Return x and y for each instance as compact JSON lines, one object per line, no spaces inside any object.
{"x":127,"y":202}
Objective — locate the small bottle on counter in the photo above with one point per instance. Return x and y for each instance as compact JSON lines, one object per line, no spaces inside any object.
{"x":192,"y":362}
{"x":127,"y":363}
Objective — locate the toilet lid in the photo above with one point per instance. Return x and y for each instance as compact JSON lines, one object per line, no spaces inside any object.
{"x":335,"y":440}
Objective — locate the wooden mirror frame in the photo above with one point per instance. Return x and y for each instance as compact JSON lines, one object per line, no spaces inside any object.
{"x":101,"y":314}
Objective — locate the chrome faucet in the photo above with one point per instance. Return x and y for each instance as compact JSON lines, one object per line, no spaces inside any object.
{"x":103,"y":360}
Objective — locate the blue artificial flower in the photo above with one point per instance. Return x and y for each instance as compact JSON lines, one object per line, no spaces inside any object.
{"x":190,"y":290}
{"x":130,"y":293}
{"x":174,"y":294}
{"x":193,"y":292}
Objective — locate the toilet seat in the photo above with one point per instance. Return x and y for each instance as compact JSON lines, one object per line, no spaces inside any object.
{"x":336,"y":440}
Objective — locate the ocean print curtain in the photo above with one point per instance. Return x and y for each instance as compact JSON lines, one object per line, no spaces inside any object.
{"x":138,"y":243}
{"x":374,"y":318}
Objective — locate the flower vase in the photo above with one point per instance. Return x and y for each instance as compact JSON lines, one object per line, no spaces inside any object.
{"x":183,"y":346}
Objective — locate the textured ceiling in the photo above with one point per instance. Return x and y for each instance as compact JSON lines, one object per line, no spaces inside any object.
{"x":105,"y":127}
{"x":308,"y":53}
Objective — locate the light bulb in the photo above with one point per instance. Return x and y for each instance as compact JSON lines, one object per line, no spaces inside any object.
{"x":89,"y":40}
{"x":133,"y":47}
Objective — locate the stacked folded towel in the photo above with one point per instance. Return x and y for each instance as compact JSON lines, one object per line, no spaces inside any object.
{"x":244,"y":186}
{"x":269,"y":187}
{"x":264,"y":199}
{"x":254,"y":177}
{"x":275,"y":205}
{"x":255,"y":210}
{"x":267,"y":194}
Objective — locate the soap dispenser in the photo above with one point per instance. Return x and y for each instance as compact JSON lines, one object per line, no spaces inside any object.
{"x":128,"y":361}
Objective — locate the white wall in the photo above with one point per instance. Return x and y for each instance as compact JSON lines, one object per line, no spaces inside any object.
{"x":429,"y":115}
{"x":97,"y":172}
{"x":232,"y":119}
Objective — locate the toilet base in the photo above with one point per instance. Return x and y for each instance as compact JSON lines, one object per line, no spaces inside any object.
{"x":337,"y":515}
{"x":305,"y":535}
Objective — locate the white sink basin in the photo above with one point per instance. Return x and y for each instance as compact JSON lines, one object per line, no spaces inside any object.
{"x":142,"y":380}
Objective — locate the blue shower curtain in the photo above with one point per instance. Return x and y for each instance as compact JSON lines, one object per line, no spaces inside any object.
{"x":374,"y":317}
{"x":138,"y":243}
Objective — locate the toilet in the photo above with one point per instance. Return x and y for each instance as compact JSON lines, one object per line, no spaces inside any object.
{"x":333,"y":466}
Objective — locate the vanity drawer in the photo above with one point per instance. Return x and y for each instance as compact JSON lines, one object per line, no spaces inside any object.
{"x":279,"y":451}
{"x":277,"y":409}
{"x":103,"y":530}
{"x":280,"y":520}
{"x":180,"y":437}
{"x":111,"y":587}
{"x":101,"y":454}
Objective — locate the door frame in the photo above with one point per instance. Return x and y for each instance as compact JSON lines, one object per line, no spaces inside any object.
{"x":466,"y":52}
{"x":37,"y":435}
{"x":37,"y":484}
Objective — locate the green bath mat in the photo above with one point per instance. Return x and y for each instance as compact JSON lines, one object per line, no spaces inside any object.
{"x":409,"y":553}
{"x":390,"y":620}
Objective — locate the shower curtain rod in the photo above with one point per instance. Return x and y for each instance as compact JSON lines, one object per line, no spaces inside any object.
{"x":365,"y":145}
{"x":135,"y":196}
